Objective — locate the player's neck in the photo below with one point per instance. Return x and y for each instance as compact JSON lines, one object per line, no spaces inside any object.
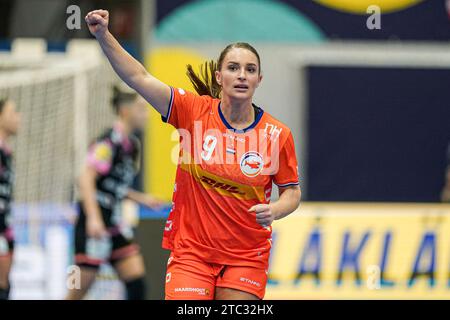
{"x":123,"y":127}
{"x":238,"y":113}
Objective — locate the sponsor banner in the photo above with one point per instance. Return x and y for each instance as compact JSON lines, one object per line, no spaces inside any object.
{"x":361,"y":251}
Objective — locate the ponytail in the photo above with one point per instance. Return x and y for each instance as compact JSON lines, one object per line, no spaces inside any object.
{"x":205,"y":83}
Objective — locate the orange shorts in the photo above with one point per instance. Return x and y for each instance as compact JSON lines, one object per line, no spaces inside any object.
{"x":190,"y":279}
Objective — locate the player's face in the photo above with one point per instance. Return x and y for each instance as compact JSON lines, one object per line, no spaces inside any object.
{"x":239,"y":75}
{"x":139,"y":112}
{"x":10,"y":118}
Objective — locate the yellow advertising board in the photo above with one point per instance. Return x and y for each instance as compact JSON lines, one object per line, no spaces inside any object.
{"x":361,"y":251}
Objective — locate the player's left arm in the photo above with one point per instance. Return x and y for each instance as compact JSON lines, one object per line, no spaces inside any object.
{"x":145,"y":199}
{"x":289,"y":190}
{"x":287,"y":203}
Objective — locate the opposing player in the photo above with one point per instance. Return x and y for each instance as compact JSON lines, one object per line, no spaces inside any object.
{"x":9,"y":125}
{"x":100,"y":233}
{"x":219,"y":229}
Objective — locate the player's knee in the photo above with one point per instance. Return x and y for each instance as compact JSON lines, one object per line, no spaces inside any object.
{"x":136,"y":289}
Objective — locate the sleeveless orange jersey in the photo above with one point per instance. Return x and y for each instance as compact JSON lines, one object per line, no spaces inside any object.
{"x":221,"y":174}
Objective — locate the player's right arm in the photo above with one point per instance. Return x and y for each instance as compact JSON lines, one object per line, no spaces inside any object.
{"x":95,"y":226}
{"x":129,"y":69}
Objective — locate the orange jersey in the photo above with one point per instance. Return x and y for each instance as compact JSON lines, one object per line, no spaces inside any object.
{"x":221,"y":174}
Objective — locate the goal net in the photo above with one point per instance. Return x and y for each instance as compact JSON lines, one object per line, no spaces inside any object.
{"x":64,"y":101}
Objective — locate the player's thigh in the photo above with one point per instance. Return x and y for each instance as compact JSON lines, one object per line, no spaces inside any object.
{"x":189,"y":280}
{"x":5,"y":268}
{"x":244,"y":283}
{"x":5,"y":264}
{"x":126,"y":257}
{"x":130,"y":267}
{"x":6,"y":258}
{"x":79,"y":287}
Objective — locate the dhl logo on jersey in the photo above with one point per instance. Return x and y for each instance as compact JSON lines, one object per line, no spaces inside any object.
{"x":221,"y":185}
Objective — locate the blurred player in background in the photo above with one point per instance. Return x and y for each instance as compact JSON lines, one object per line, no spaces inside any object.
{"x":100,"y":232}
{"x":219,"y":229}
{"x":9,"y":124}
{"x":445,"y":195}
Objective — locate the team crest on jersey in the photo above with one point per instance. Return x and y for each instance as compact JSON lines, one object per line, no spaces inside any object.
{"x":251,"y":164}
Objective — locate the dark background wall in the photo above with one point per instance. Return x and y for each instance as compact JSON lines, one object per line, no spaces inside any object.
{"x":410,"y":24}
{"x":429,"y":20}
{"x":377,"y":134}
